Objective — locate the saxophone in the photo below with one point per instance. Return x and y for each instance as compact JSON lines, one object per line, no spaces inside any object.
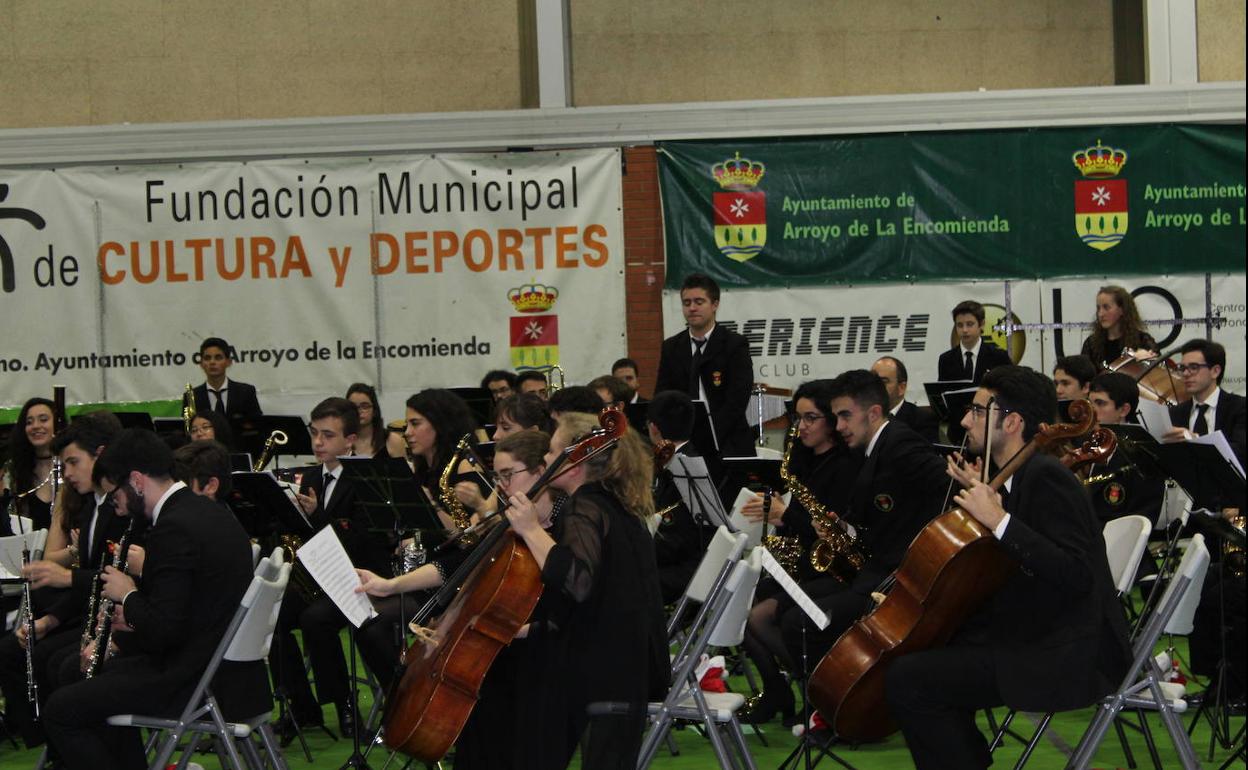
{"x":446,"y":493}
{"x":276,"y":438}
{"x":836,"y":549}
{"x":787,"y":549}
{"x":188,"y":408}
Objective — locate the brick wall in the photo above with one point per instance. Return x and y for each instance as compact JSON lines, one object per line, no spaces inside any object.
{"x":644,"y":262}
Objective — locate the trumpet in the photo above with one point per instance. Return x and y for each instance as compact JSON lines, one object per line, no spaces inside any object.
{"x":188,"y":408}
{"x":276,"y":438}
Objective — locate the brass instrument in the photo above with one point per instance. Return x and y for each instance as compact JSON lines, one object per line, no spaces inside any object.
{"x":551,"y":387}
{"x":835,"y":548}
{"x":302,"y":581}
{"x":446,"y":493}
{"x":786,"y":549}
{"x":276,"y":438}
{"x":188,"y":408}
{"x":1232,"y":554}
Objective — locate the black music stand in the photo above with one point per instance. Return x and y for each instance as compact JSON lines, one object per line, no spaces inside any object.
{"x":263,"y":508}
{"x":480,"y":402}
{"x":704,"y":439}
{"x":168,"y":425}
{"x":1203,"y":473}
{"x":136,"y":420}
{"x":697,"y":490}
{"x":936,"y":397}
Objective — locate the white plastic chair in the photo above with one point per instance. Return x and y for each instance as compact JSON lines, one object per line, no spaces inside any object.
{"x":1143,"y":686}
{"x":723,"y":626}
{"x":722,"y":551}
{"x":246,"y":639}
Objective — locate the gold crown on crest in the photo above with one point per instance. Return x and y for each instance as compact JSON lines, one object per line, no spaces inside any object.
{"x":1097,"y":162}
{"x":738,"y":173}
{"x":533,"y":297}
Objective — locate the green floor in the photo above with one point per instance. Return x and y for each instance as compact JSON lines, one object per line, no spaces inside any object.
{"x":695,"y":751}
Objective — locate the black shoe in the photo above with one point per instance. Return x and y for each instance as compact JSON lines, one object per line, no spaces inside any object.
{"x":762,"y":708}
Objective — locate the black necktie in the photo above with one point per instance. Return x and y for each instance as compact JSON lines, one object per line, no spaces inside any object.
{"x":695,"y":374}
{"x":969,"y":367}
{"x":220,"y":405}
{"x":329,"y":489}
{"x":1201,"y":426}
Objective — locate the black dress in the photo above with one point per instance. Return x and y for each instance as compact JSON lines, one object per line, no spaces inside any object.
{"x":1111,"y":350}
{"x":602,"y":638}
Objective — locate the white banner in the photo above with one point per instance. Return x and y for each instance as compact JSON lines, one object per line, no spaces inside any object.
{"x":406,"y":271}
{"x":804,"y":334}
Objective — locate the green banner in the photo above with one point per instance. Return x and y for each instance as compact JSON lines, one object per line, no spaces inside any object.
{"x":1037,"y":203}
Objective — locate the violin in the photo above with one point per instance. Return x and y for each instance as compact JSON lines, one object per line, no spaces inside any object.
{"x":488,"y":599}
{"x":953,"y":565}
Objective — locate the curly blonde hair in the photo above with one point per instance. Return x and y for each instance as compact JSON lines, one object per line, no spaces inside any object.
{"x":627,"y":470}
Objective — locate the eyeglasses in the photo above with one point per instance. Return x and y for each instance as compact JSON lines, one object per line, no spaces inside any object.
{"x":810,"y":418}
{"x":505,"y":475}
{"x":979,"y":411}
{"x":1192,"y":368}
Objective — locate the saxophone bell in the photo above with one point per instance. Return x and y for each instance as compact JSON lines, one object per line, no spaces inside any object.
{"x":276,"y":438}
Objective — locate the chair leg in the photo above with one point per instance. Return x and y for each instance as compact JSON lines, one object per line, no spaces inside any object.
{"x":1035,"y":741}
{"x":650,"y":744}
{"x":277,"y":760}
{"x":738,"y":737}
{"x":169,"y":744}
{"x":1149,"y":743}
{"x":1126,"y":747}
{"x":1095,"y":733}
{"x":998,"y":731}
{"x":1178,"y":736}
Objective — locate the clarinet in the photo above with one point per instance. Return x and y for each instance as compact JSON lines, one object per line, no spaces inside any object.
{"x":27,"y":615}
{"x":104,"y":631}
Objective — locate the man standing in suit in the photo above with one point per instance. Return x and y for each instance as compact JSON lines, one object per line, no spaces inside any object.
{"x":197,"y":568}
{"x":712,"y":365}
{"x":893,"y":374}
{"x":1210,"y":408}
{"x":1053,"y":637}
{"x":898,"y":489}
{"x":973,"y":356}
{"x":236,"y":400}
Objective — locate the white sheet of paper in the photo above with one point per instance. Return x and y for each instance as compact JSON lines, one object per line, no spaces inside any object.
{"x":11,"y":551}
{"x":1155,"y":417}
{"x":331,"y":568}
{"x":1218,"y":439}
{"x":790,"y":586}
{"x":754,"y":530}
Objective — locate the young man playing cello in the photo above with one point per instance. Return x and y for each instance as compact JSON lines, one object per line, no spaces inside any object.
{"x":1053,"y":637}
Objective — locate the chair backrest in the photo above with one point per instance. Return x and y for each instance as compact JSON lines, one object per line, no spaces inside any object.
{"x":1125,"y":540}
{"x":729,"y":630}
{"x":1193,"y":567}
{"x":690,"y":653}
{"x":262,"y":601}
{"x":724,"y":546}
{"x":271,"y":564}
{"x":255,"y":554}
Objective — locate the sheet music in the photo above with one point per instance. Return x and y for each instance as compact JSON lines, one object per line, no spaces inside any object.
{"x":754,"y":530}
{"x":1218,"y":439}
{"x":791,"y":588}
{"x":291,"y":490}
{"x":1155,"y":417}
{"x":11,"y":551}
{"x":331,"y":568}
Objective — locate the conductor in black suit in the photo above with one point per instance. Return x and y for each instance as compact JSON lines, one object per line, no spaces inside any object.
{"x":1054,"y":637}
{"x":1210,"y":408}
{"x":236,"y":400}
{"x":711,"y":364}
{"x":197,"y":568}
{"x":921,"y":419}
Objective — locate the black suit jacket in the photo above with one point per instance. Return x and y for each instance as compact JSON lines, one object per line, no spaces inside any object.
{"x":197,"y":568}
{"x":1229,"y":418}
{"x":1058,"y":632}
{"x":951,"y":365}
{"x":240,"y":400}
{"x":368,"y":550}
{"x":727,"y":375}
{"x":71,"y":606}
{"x":900,"y":488}
{"x":1126,"y":492}
{"x":921,"y":420}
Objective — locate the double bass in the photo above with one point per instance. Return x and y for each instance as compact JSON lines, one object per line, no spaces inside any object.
{"x":494,"y":592}
{"x":951,"y":568}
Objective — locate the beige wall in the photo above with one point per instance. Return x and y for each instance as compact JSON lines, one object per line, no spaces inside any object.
{"x":84,"y":62}
{"x":688,"y":50}
{"x":79,"y":62}
{"x":1220,"y":39}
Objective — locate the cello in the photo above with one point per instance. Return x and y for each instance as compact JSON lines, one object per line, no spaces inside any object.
{"x":494,"y":592}
{"x":951,"y":568}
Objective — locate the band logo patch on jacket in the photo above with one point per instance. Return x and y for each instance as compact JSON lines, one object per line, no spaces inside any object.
{"x":884,"y":502}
